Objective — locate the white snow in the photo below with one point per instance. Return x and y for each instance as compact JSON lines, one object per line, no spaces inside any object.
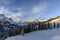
{"x":53,"y":34}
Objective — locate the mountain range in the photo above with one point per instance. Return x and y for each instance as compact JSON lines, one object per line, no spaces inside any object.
{"x":4,"y":19}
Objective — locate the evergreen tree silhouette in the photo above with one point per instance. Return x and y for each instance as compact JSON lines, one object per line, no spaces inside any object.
{"x":54,"y":25}
{"x":48,"y":25}
{"x":57,"y":25}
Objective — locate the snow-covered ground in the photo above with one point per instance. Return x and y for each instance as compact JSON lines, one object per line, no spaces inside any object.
{"x":53,"y":34}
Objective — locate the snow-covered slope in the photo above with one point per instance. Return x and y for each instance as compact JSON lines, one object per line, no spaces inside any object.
{"x":39,"y":35}
{"x":3,"y":18}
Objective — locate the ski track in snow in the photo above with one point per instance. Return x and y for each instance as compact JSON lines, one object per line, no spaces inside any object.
{"x":53,"y":34}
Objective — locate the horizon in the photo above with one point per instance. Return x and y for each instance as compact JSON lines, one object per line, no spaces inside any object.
{"x":35,"y":20}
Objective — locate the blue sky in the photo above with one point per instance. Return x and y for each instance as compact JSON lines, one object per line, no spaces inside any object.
{"x":30,"y":9}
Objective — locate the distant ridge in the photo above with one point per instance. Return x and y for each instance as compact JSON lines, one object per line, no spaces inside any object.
{"x":56,"y":19}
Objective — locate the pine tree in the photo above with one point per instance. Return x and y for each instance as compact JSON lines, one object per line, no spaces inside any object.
{"x":48,"y":25}
{"x":57,"y":25}
{"x":22,"y":31}
{"x":54,"y":25}
{"x":39,"y":24}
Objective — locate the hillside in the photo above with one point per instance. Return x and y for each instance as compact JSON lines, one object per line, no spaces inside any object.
{"x":51,"y":20}
{"x":53,"y":34}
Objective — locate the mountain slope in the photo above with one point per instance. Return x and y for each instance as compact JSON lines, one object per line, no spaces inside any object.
{"x":5,"y":19}
{"x":51,"y":20}
{"x":39,"y":35}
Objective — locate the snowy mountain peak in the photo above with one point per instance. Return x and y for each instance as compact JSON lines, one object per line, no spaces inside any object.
{"x":2,"y":15}
{"x":5,"y":19}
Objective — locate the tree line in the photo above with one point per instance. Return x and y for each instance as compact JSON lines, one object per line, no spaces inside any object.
{"x":30,"y":27}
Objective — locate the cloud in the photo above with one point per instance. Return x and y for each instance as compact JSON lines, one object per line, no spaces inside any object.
{"x":34,"y":17}
{"x":39,"y":8}
{"x":18,"y":9}
{"x":9,"y":13}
